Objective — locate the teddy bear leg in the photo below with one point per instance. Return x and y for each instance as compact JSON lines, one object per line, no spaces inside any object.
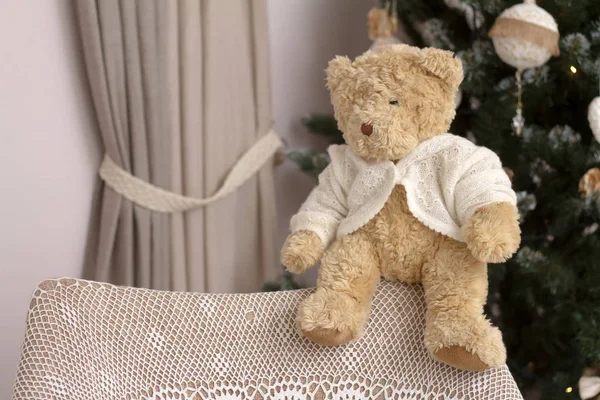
{"x":338,"y":310}
{"x":457,"y":332}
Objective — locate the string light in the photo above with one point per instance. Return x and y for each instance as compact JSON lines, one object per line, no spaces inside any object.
{"x":573,"y":69}
{"x":569,"y":389}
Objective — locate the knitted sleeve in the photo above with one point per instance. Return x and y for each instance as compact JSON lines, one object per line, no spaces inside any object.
{"x":326,"y":205}
{"x":482,"y":182}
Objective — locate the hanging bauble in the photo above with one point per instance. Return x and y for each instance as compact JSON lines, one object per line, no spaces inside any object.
{"x":589,"y":384}
{"x":382,"y":25}
{"x":525,"y":35}
{"x":381,"y":42}
{"x":589,"y":183}
{"x":594,"y":117}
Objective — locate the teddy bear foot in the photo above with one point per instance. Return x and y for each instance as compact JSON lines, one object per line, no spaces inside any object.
{"x":461,"y":358}
{"x":470,"y":345}
{"x":328,"y":337}
{"x":329,"y":318}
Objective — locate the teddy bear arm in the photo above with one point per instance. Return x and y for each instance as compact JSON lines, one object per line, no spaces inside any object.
{"x":492,"y":233}
{"x":301,"y":250}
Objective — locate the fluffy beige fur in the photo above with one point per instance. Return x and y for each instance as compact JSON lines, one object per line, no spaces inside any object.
{"x":395,"y":245}
{"x":422,"y":82}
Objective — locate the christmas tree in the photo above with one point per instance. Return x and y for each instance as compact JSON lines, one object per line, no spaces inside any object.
{"x":546,"y":300}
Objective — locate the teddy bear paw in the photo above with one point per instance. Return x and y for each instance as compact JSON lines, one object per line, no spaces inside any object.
{"x":478,"y":358}
{"x":468,"y":345}
{"x":329,"y":318}
{"x":301,"y":250}
{"x":492,"y":234}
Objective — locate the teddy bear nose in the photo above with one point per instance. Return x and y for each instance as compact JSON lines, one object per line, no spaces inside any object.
{"x":366,"y":129}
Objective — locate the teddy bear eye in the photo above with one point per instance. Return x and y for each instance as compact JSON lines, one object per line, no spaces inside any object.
{"x":394,"y":102}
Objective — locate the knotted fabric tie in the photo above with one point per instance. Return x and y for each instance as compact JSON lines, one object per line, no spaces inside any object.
{"x":158,"y":199}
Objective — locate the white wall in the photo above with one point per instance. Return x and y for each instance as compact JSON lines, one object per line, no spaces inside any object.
{"x":305,"y":35}
{"x":48,"y":159}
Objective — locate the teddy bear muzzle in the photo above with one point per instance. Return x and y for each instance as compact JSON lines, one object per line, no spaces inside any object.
{"x":366,"y":129}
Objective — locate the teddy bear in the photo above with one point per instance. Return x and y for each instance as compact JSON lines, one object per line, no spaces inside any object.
{"x":404,"y":200}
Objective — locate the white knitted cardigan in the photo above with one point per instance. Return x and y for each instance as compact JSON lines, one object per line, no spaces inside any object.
{"x":446,"y":179}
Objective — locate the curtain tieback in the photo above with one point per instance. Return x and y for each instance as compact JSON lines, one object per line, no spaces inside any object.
{"x":158,"y":199}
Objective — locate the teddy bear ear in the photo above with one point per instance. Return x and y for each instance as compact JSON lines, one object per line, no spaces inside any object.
{"x":338,"y":70}
{"x":442,"y":64}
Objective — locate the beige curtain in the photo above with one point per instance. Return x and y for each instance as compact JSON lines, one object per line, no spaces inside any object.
{"x":181,"y":91}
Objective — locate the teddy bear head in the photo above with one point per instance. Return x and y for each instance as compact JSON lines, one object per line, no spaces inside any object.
{"x":387,"y":102}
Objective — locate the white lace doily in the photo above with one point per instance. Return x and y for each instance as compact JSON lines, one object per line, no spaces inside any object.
{"x":95,"y":341}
